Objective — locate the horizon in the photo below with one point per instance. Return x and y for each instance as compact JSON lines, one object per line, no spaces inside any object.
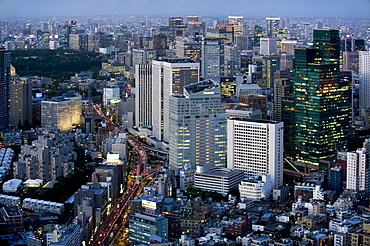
{"x":357,"y":9}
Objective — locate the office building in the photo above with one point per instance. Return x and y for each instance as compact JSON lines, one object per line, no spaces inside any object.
{"x":268,"y":46}
{"x":144,"y":227}
{"x":143,"y":95}
{"x":271,"y":25}
{"x":76,"y":109}
{"x":197,"y":127}
{"x":220,"y":180}
{"x":256,"y":188}
{"x":244,"y":42}
{"x":170,"y":75}
{"x":188,"y":49}
{"x":4,"y":88}
{"x":111,"y":95}
{"x":70,"y":235}
{"x":336,"y":178}
{"x":142,"y":56}
{"x":212,"y":58}
{"x":321,"y":103}
{"x":288,"y":46}
{"x":56,"y":113}
{"x":256,"y":101}
{"x":282,"y":91}
{"x":237,"y":22}
{"x":256,"y":147}
{"x":364,"y":72}
{"x":20,"y":91}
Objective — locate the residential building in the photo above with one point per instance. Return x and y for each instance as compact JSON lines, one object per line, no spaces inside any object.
{"x":4,"y":88}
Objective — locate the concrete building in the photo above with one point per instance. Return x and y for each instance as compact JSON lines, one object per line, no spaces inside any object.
{"x":220,"y":180}
{"x":256,"y":147}
{"x":20,"y":91}
{"x":256,"y":188}
{"x":170,"y":75}
{"x":364,"y":72}
{"x":56,"y":113}
{"x":268,"y":46}
{"x":4,"y":88}
{"x":212,"y":59}
{"x":358,"y":170}
{"x":143,"y":95}
{"x":197,"y":127}
{"x":65,"y":236}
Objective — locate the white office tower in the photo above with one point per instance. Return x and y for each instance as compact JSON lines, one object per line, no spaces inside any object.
{"x":143,"y":95}
{"x":364,"y":72}
{"x":268,"y":46}
{"x":212,"y":58}
{"x":142,"y":56}
{"x":111,"y":95}
{"x":358,"y":170}
{"x":170,"y":75}
{"x":257,"y":148}
{"x":197,"y":127}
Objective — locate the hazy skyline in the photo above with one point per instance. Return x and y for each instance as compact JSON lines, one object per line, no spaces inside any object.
{"x":58,"y":8}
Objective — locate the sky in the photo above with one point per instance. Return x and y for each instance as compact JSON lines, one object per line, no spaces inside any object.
{"x":246,"y":8}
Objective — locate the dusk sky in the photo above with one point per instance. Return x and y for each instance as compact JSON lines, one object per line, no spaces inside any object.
{"x":315,"y":8}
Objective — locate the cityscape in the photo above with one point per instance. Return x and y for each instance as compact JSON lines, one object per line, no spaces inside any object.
{"x":185,"y":123}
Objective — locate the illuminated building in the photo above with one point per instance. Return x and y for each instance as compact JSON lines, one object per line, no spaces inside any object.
{"x":160,"y":44}
{"x":76,"y":109}
{"x":226,"y":32}
{"x":271,"y":26}
{"x":170,"y":75}
{"x":212,"y":58}
{"x":144,"y":227}
{"x":143,"y":95}
{"x":57,"y":113}
{"x":197,"y":127}
{"x":256,"y":147}
{"x":143,"y":56}
{"x":188,"y":49}
{"x":20,"y":91}
{"x":176,"y":26}
{"x":4,"y":88}
{"x":321,"y":102}
{"x":237,"y":21}
{"x":110,"y":95}
{"x":364,"y":72}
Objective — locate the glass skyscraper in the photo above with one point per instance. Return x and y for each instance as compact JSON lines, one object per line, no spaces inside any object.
{"x":321,"y":102}
{"x":4,"y":88}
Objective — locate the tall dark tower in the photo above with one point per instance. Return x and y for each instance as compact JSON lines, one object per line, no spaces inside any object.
{"x":321,"y":103}
{"x":4,"y":88}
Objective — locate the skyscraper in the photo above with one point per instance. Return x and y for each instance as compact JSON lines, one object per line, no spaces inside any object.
{"x":256,"y":147}
{"x":358,"y":170}
{"x":170,"y":75}
{"x":197,"y":127}
{"x":20,"y":91}
{"x":321,"y":102}
{"x":211,"y":59}
{"x":4,"y":88}
{"x":237,"y":21}
{"x":364,"y":69}
{"x":57,"y":113}
{"x":143,"y":95}
{"x":271,"y":25}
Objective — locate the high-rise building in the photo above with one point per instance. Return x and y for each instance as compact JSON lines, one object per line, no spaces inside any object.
{"x":358,"y":170}
{"x":143,"y":56}
{"x":160,"y":44}
{"x":364,"y":72}
{"x":336,"y":178}
{"x":57,"y":113}
{"x":170,"y":75}
{"x":20,"y":91}
{"x":226,"y":32}
{"x":197,"y":127}
{"x":143,"y":95}
{"x":188,"y":49}
{"x":256,"y":147}
{"x":4,"y":88}
{"x":212,"y":58}
{"x":321,"y":102}
{"x":271,"y":25}
{"x":237,"y":21}
{"x":268,"y":46}
{"x":110,"y":94}
{"x":76,"y":109}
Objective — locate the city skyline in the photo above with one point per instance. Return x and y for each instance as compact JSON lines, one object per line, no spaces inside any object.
{"x":58,"y":8}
